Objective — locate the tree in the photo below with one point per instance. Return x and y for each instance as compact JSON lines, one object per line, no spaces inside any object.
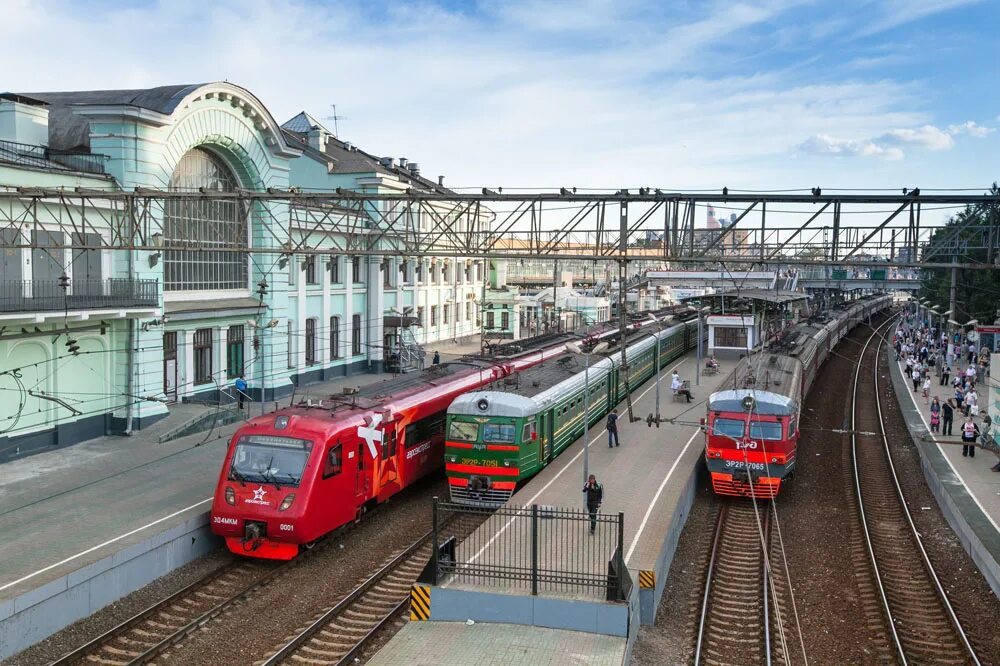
{"x":966,"y":237}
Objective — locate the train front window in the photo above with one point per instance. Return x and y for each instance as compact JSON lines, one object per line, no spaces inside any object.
{"x":462,"y":431}
{"x":501,"y":433}
{"x":270,"y":459}
{"x":765,"y":430}
{"x":728,"y":427}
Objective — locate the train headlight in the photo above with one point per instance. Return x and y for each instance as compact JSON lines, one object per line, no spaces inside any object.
{"x":452,"y":458}
{"x":230,"y":496}
{"x":774,"y":460}
{"x":287,"y":502}
{"x":506,"y":463}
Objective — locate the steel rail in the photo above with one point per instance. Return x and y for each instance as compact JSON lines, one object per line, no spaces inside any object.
{"x":708,"y":584}
{"x":861,"y":505}
{"x":942,"y":594}
{"x":345,"y":603}
{"x":152,"y":652}
{"x":881,"y":331}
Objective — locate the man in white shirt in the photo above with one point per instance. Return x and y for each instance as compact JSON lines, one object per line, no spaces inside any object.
{"x":677,"y":385}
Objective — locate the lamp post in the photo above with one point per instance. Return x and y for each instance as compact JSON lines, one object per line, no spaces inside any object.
{"x":574,"y":348}
{"x":697,"y":366}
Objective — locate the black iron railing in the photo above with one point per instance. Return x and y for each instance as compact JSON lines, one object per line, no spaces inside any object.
{"x":46,"y":295}
{"x":541,"y":550}
{"x":40,"y":157}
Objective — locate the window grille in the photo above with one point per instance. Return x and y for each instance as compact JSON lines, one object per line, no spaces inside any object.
{"x":198,"y":234}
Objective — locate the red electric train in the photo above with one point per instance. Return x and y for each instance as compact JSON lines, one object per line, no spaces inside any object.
{"x":752,"y":430}
{"x":298,"y":473}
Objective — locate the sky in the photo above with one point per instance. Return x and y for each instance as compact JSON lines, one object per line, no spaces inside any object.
{"x":768,"y":95}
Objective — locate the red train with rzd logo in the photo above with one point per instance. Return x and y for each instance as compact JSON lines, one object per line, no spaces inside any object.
{"x":298,"y":473}
{"x":752,"y":429}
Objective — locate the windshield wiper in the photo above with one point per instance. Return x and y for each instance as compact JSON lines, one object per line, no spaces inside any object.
{"x":233,"y":472}
{"x":267,"y":474}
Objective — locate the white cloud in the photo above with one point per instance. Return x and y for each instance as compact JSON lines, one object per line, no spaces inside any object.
{"x":928,"y":136}
{"x":888,"y":145}
{"x":972,"y":129}
{"x":826,"y":144}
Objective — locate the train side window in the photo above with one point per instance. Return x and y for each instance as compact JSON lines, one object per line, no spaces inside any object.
{"x":361,"y":456}
{"x":527,"y":434}
{"x":389,"y":443}
{"x":791,"y":426}
{"x":333,"y":463}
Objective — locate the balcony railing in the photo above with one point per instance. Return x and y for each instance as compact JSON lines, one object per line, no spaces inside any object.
{"x":40,"y":157}
{"x":45,"y":295}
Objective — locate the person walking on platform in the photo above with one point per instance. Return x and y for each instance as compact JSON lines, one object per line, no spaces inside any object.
{"x":241,"y":389}
{"x":613,"y":428}
{"x":437,"y":358}
{"x":947,"y":417}
{"x":935,"y":415}
{"x":915,"y":376}
{"x":595,"y":496}
{"x":970,"y":433}
{"x":945,"y":374}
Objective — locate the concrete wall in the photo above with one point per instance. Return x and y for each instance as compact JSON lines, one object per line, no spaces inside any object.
{"x":596,"y":617}
{"x":649,"y":598}
{"x":39,"y":613}
{"x":978,"y":536}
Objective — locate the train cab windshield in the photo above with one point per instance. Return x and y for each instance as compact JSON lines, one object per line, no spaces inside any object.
{"x":463,"y":431}
{"x":498,"y":433}
{"x":270,"y":459}
{"x":765,"y":430}
{"x":728,"y":427}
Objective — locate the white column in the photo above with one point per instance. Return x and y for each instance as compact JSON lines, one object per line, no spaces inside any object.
{"x":186,"y":352}
{"x":376,"y":310}
{"x":324,"y":344}
{"x":345,"y":324}
{"x":223,"y":338}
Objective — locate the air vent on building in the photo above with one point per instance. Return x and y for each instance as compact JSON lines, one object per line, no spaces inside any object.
{"x":414,"y":168}
{"x":402,"y":162}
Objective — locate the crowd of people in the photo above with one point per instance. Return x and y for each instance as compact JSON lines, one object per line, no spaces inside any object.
{"x":930,"y":355}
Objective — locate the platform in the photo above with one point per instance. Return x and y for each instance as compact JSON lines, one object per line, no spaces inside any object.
{"x":88,"y":524}
{"x":651,"y":478}
{"x":965,"y":488}
{"x":460,"y":644}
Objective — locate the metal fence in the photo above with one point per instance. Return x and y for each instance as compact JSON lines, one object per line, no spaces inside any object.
{"x":43,"y":295}
{"x":553,"y":551}
{"x":40,"y":157}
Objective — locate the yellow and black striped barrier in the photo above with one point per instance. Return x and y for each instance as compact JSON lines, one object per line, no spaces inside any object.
{"x":420,"y":602}
{"x":647,"y":580}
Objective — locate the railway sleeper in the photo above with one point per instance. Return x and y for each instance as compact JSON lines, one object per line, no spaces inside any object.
{"x":335,"y":642}
{"x":306,"y":660}
{"x":108,"y":662}
{"x":323,"y":654}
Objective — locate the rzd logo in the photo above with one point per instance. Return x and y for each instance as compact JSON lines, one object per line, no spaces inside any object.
{"x":746,"y":445}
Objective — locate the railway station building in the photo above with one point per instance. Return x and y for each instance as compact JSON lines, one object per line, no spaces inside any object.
{"x":96,"y":341}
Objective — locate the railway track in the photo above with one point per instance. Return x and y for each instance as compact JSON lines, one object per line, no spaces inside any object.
{"x":340,"y":633}
{"x":922,"y":624}
{"x":735,"y":622}
{"x":147,"y":635}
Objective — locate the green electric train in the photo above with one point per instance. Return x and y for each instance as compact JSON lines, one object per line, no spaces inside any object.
{"x":495,"y":440}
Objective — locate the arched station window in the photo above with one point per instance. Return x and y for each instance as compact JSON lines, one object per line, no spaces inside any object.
{"x":195,"y":231}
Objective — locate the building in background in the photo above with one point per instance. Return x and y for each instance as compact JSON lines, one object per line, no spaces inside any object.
{"x":106,"y":340}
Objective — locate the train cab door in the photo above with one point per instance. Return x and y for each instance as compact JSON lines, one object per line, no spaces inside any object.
{"x":362,"y":480}
{"x":544,"y":438}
